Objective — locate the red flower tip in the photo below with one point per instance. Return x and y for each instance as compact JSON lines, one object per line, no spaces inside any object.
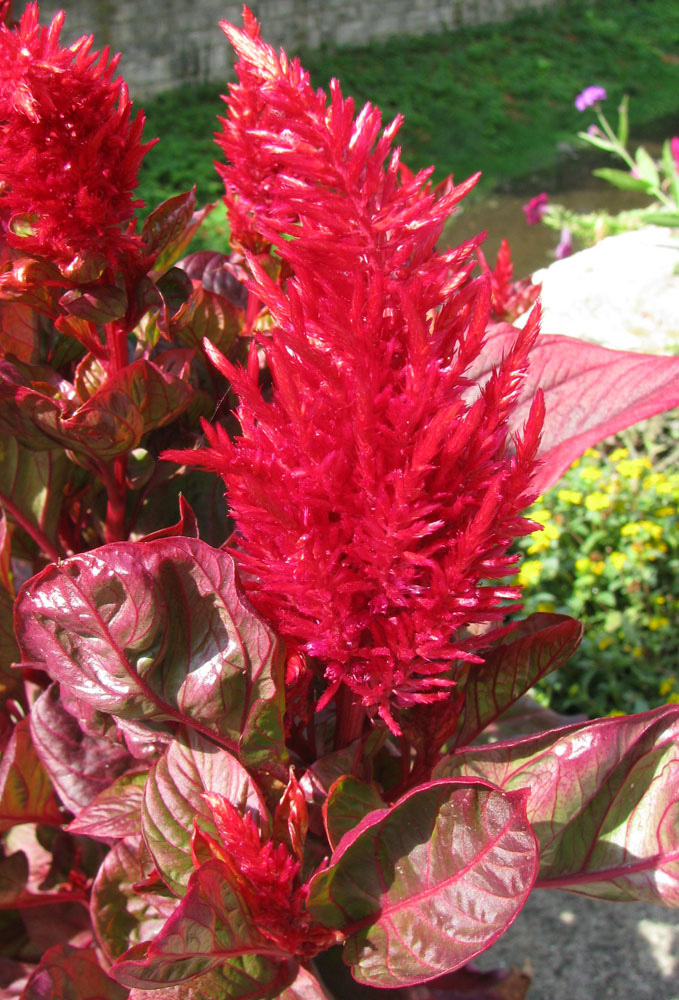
{"x":376,"y":494}
{"x":69,"y":149}
{"x":266,"y":876}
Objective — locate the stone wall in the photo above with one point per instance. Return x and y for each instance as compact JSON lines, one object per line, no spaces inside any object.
{"x":168,"y":42}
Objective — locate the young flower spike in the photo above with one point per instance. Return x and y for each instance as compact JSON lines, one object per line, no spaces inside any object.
{"x":377,"y":493}
{"x":69,"y":151}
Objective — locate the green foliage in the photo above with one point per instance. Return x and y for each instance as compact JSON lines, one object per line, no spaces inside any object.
{"x":185,"y":120}
{"x":609,"y":555}
{"x":498,"y":98}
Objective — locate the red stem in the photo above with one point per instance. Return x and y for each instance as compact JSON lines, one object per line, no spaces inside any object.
{"x":116,"y":339}
{"x":115,"y":507}
{"x":350,"y":718}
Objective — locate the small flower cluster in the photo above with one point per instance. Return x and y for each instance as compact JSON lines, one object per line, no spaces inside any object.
{"x":659,"y":180}
{"x":607,"y":552}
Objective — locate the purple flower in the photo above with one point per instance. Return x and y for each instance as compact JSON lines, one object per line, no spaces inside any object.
{"x":535,"y":209}
{"x":565,"y":247}
{"x":589,"y":96}
{"x":674,"y":146}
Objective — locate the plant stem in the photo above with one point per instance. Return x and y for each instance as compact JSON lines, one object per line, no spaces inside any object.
{"x":116,"y":338}
{"x":115,"y":506}
{"x":350,"y":718}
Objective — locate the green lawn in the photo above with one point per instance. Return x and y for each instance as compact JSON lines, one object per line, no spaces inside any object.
{"x":497,"y":98}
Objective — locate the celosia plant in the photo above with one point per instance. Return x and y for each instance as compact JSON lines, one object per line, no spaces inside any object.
{"x":219,"y":761}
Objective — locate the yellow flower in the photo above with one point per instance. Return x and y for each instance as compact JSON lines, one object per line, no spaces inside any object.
{"x":597,"y":501}
{"x":582,"y":564}
{"x":653,"y":529}
{"x":665,"y":488}
{"x":547,"y":606}
{"x":664,"y":511}
{"x":629,"y":529}
{"x":617,"y":560}
{"x":637,"y":652}
{"x":658,"y":621}
{"x":631,"y":468}
{"x":618,"y":454}
{"x":598,"y":568}
{"x":654,"y":480}
{"x":542,"y":515}
{"x":673,"y":699}
{"x":570,"y":496}
{"x":543,"y":539}
{"x":529,"y":572}
{"x":605,"y":642}
{"x":665,"y":688}
{"x":592,"y":453}
{"x":659,"y":599}
{"x":614,"y":713}
{"x":590,"y":473}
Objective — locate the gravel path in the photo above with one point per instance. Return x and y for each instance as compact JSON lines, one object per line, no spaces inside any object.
{"x":582,"y":949}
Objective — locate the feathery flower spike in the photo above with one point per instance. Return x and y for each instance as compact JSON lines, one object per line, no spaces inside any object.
{"x":69,"y":150}
{"x":377,"y":493}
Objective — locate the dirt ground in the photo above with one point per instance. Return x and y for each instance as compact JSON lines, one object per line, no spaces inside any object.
{"x":583,"y":949}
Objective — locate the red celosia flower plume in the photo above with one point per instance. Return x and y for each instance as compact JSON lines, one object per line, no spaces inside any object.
{"x":69,"y":151}
{"x":266,"y":877}
{"x":377,"y":493}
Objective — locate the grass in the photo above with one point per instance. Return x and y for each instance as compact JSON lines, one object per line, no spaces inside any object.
{"x":496,"y":98}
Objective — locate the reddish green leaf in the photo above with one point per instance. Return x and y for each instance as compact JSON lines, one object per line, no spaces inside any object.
{"x":121,"y":916}
{"x":90,"y":376}
{"x":207,"y":316}
{"x":13,"y":878}
{"x":603,"y":799}
{"x":224,"y":275}
{"x":18,"y":331}
{"x":590,"y":392}
{"x":158,"y":395}
{"x":232,"y":983}
{"x":171,"y":226}
{"x":95,"y":303}
{"x":56,"y":924}
{"x":324,"y":772}
{"x":210,"y":929}
{"x":172,"y":800}
{"x":349,"y":801}
{"x":13,"y":977}
{"x":451,"y":863}
{"x":32,"y":485}
{"x":79,"y":765}
{"x":167,"y":223}
{"x":109,"y":423}
{"x":524,"y":717}
{"x":114,"y":812}
{"x":67,"y":973}
{"x":304,"y":987}
{"x":33,"y":282}
{"x":538,"y":645}
{"x":158,"y":633}
{"x":26,"y":792}
{"x":83,"y":331}
{"x":176,"y":289}
{"x":187,"y":524}
{"x":11,"y":681}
